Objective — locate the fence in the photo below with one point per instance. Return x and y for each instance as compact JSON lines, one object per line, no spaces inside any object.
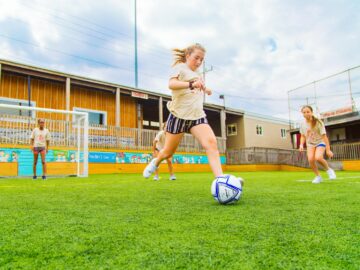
{"x":349,"y":151}
{"x":336,"y":95}
{"x":259,"y":155}
{"x":16,"y":130}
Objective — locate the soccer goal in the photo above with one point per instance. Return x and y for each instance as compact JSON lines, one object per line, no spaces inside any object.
{"x":68,"y":151}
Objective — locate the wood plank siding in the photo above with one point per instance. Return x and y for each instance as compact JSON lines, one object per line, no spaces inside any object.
{"x":51,"y":94}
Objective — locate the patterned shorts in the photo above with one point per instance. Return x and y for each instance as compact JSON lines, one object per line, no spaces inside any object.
{"x":38,"y":150}
{"x":176,"y":125}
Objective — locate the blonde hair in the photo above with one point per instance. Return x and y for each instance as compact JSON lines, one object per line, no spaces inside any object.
{"x":314,"y":119}
{"x":180,"y":54}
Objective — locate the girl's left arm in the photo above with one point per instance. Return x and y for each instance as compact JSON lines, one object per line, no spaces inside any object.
{"x":329,"y":153}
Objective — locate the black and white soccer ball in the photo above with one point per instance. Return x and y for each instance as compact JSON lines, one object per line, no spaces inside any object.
{"x":226,"y":189}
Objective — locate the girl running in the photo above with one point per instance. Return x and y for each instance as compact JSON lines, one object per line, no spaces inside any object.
{"x":313,"y":131}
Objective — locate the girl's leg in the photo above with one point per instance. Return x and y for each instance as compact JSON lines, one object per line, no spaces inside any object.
{"x":311,"y":159}
{"x":319,"y":157}
{"x":205,"y":135}
{"x":36,"y":155}
{"x":43,"y":160}
{"x":156,"y":153}
{"x":171,"y":143}
{"x":170,"y":166}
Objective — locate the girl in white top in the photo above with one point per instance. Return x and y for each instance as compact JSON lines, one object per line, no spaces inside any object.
{"x":158,"y":145}
{"x":313,"y":131}
{"x":40,"y":139}
{"x":186,"y":109}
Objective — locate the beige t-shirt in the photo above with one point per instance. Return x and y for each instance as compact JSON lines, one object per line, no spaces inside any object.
{"x":40,"y":137}
{"x":186,"y":104}
{"x":160,"y":140}
{"x":313,"y":135}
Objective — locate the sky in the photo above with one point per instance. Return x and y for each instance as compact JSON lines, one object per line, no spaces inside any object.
{"x":256,"y":51}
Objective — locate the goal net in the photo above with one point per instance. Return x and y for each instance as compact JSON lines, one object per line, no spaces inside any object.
{"x":68,"y":151}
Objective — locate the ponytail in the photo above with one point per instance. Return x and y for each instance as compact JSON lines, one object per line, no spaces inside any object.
{"x":180,"y":54}
{"x":315,"y":121}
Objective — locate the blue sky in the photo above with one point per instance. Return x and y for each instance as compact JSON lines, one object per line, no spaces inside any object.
{"x":258,"y":49}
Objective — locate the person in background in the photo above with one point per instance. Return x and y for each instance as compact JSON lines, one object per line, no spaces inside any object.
{"x":158,"y":145}
{"x":40,"y":139}
{"x":313,"y":131}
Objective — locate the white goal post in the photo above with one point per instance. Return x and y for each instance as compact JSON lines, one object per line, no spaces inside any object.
{"x":16,"y":127}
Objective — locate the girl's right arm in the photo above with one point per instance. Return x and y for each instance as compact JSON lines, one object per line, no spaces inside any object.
{"x":302,"y":141}
{"x":176,"y":84}
{"x":32,"y":139}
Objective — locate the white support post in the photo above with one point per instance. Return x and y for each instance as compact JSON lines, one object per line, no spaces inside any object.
{"x":117,"y":108}
{"x":161,"y":118}
{"x":223,"y":123}
{"x":67,"y":97}
{"x":86,"y":146}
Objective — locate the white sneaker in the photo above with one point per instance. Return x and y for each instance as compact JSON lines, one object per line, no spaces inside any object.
{"x":150,"y":169}
{"x":317,"y":180}
{"x":331,"y":174}
{"x":172,"y":177}
{"x":156,"y":178}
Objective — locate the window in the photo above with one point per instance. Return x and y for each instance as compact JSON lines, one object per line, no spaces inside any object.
{"x":259,"y":130}
{"x":154,"y":124}
{"x":95,"y":117}
{"x":231,"y":129}
{"x":283,"y":133}
{"x":18,"y":102}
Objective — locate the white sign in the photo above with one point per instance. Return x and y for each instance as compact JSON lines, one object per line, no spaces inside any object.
{"x":139,"y":95}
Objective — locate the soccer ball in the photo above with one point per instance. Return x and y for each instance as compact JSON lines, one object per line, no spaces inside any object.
{"x":226,"y":189}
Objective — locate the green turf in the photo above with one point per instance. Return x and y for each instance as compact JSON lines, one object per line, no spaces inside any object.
{"x":126,"y":222}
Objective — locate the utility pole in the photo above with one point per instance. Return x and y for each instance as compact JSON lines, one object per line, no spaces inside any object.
{"x":205,"y":70}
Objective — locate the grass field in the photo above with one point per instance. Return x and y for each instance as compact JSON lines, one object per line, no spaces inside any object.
{"x":126,"y":222}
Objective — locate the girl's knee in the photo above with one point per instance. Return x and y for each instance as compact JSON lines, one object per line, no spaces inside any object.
{"x":166,"y":155}
{"x":211,"y":144}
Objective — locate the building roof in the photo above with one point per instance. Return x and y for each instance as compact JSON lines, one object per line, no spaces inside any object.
{"x":50,"y":74}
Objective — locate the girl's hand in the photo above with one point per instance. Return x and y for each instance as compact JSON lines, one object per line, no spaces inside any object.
{"x":329,"y":153}
{"x":208,"y":91}
{"x":199,"y":84}
{"x":301,"y":148}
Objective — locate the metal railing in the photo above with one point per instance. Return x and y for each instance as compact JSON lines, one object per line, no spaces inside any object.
{"x":349,"y":151}
{"x":16,"y":130}
{"x":259,"y":155}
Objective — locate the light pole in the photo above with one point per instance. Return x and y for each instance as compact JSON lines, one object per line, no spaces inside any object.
{"x":223,"y":98}
{"x":136,"y":53}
